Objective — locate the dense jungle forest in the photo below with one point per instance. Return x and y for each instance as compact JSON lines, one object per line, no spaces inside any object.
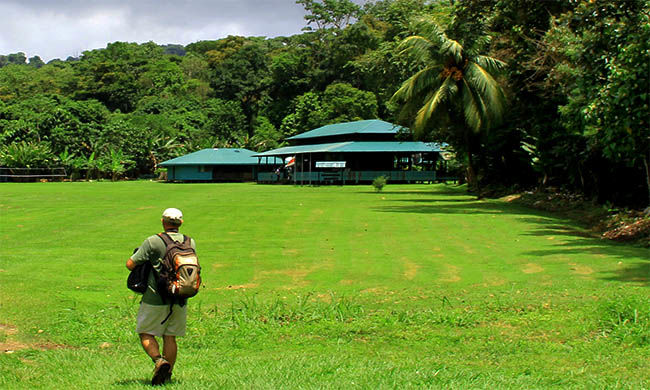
{"x":528,"y":93}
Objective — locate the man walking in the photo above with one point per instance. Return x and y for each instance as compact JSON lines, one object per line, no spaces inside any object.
{"x":160,"y":315}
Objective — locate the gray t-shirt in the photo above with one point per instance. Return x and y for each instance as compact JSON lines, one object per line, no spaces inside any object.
{"x":153,"y":250}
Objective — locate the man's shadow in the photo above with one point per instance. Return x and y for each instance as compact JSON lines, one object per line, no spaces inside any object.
{"x":142,"y":381}
{"x":131,"y":382}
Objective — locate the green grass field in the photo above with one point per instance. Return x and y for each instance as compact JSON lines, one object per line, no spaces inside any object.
{"x":419,"y":286}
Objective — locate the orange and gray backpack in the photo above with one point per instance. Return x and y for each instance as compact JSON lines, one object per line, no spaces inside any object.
{"x":180,"y":276}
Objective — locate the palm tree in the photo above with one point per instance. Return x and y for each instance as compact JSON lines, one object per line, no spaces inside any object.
{"x":456,"y":90}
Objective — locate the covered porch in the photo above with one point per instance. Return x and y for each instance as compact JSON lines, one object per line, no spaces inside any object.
{"x":354,"y":162}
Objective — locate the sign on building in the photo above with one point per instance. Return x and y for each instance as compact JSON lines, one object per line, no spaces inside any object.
{"x":330,"y":164}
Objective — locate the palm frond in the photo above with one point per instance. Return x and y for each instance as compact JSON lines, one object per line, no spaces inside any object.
{"x":477,"y":45}
{"x":473,"y":108}
{"x":451,"y":69}
{"x":417,"y":46}
{"x":451,"y":48}
{"x":444,"y":93}
{"x":426,"y":27}
{"x":425,"y":80}
{"x":490,"y":64}
{"x":477,"y":78}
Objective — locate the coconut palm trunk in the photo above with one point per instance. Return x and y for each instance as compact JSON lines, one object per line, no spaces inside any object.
{"x":647,"y":176}
{"x":472,"y":179}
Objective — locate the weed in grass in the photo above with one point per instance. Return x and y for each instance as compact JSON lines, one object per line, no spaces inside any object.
{"x":626,"y":320}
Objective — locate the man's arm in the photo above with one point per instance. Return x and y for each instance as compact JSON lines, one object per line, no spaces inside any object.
{"x":130,"y":264}
{"x":140,"y":255}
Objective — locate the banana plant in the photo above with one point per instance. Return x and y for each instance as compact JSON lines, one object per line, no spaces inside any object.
{"x":118,"y":163}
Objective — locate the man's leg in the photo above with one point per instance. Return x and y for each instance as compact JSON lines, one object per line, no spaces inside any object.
{"x":163,"y":368}
{"x":150,"y":345}
{"x":170,"y":349}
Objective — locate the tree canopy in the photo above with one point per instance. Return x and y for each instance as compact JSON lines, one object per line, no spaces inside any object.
{"x":574,"y":75}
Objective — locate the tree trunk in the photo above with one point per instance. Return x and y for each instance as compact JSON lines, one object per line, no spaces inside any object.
{"x":472,"y":179}
{"x":647,"y":176}
{"x":471,"y":173}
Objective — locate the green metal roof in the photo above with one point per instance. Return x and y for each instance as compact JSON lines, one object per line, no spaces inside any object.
{"x":357,"y":147}
{"x":221,"y":156}
{"x":371,"y":126}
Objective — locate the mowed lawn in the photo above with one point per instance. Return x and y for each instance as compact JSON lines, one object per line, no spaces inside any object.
{"x":419,"y":286}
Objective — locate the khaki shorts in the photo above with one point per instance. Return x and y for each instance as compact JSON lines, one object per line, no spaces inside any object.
{"x":150,"y":317}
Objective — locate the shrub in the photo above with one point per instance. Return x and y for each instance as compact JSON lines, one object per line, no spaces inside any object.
{"x":379,"y":183}
{"x":27,"y":155}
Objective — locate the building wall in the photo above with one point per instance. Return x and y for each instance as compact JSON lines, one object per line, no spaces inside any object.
{"x":188,"y":172}
{"x":234,"y":173}
{"x":212,"y":173}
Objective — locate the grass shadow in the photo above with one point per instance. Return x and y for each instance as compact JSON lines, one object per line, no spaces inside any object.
{"x":434,"y":191}
{"x":636,"y":273}
{"x":131,"y":382}
{"x":462,"y":206}
{"x":431,"y":192}
{"x":553,"y":228}
{"x":543,"y":224}
{"x":449,"y":200}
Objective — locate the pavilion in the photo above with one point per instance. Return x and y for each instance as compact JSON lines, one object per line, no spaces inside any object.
{"x":354,"y":152}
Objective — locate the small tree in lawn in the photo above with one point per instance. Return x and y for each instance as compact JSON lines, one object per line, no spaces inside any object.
{"x":379,"y":183}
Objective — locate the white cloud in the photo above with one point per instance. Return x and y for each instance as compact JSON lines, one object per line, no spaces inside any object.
{"x":58,"y":29}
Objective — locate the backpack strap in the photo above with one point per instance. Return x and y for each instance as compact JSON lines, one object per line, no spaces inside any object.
{"x":167,"y":240}
{"x":171,"y":307}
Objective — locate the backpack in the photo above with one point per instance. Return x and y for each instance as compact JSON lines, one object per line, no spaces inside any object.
{"x":139,"y":277}
{"x":180,"y":276}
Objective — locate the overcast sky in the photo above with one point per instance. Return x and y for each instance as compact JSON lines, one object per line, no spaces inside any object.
{"x":58,"y":28}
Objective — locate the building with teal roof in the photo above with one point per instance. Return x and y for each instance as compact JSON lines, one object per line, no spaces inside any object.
{"x":218,"y":164}
{"x":355,"y":152}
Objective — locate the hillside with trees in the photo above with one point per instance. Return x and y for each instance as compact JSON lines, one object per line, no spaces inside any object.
{"x":530,"y":94}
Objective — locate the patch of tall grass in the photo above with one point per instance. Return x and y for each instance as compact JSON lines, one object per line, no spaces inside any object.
{"x":626,"y":319}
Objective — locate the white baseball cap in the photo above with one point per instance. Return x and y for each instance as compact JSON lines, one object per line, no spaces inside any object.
{"x":172,"y":215}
